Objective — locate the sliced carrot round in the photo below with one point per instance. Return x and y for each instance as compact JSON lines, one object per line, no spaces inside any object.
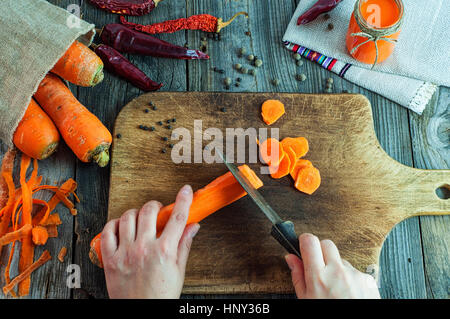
{"x":308,"y":180}
{"x":282,"y":169}
{"x":300,"y":163}
{"x":292,"y":157}
{"x":299,"y":145}
{"x":271,"y":111}
{"x":271,"y":152}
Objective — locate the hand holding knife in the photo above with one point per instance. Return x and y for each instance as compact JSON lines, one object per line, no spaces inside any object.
{"x":282,"y":231}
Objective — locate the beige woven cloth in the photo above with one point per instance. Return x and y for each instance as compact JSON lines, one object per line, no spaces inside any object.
{"x":34,"y":34}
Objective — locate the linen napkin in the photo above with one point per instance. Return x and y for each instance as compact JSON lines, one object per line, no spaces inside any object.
{"x":34,"y":34}
{"x":420,"y":61}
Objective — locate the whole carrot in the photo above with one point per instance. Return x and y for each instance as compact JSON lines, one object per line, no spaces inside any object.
{"x":80,"y":66}
{"x":83,"y":132}
{"x":36,"y":135}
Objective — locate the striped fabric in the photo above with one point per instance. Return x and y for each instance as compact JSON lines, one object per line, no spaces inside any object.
{"x":329,"y":63}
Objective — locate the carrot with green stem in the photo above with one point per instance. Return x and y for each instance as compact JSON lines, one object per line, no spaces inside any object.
{"x":80,"y":65}
{"x":36,"y":135}
{"x":83,"y":132}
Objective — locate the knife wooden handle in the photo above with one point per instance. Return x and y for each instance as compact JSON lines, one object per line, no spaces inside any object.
{"x":285,"y":234}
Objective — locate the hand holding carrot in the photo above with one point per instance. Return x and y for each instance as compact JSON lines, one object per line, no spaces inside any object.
{"x":322,"y":274}
{"x":138,"y":264}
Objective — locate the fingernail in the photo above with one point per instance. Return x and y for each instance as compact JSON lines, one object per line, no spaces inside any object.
{"x":289,"y":262}
{"x":194,"y":230}
{"x":186,"y":190}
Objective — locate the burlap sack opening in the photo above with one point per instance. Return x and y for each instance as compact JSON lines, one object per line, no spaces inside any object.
{"x":34,"y":34}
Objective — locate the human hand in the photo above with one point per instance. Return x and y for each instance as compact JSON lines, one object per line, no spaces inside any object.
{"x":323,"y":274}
{"x":138,"y":264}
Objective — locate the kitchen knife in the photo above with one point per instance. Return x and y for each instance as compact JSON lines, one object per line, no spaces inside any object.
{"x":282,"y":231}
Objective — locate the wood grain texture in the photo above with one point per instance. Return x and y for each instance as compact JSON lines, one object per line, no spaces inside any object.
{"x":364,"y":193}
{"x":404,"y":135}
{"x":431,"y":149}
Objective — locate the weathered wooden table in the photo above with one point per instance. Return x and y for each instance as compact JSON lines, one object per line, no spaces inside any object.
{"x":415,"y":257}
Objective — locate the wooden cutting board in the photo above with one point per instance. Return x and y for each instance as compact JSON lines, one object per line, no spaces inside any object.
{"x":364,"y":192}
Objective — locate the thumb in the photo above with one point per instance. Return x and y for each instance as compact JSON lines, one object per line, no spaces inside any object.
{"x":297,"y":273}
{"x":184,"y":246}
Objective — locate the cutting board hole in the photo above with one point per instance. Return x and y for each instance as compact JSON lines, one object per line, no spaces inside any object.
{"x":443,"y":192}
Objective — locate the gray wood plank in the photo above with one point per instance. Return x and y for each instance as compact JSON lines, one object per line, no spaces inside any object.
{"x":402,"y":273}
{"x":431,"y":149}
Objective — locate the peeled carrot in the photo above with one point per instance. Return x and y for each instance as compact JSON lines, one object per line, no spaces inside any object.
{"x":271,"y":111}
{"x":271,"y":151}
{"x":298,"y":144}
{"x":221,"y":192}
{"x":80,"y":66}
{"x":308,"y":180}
{"x":300,"y":163}
{"x":36,"y":135}
{"x":83,"y":132}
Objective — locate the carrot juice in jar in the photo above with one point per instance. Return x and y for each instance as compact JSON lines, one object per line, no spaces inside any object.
{"x":373,"y":29}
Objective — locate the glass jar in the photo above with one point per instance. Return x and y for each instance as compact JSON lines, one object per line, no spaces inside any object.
{"x":374,"y":21}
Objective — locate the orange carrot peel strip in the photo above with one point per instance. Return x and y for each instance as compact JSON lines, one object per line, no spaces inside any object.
{"x":19,"y":234}
{"x":26,"y":273}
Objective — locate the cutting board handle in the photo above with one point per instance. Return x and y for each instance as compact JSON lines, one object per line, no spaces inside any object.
{"x":430,"y":191}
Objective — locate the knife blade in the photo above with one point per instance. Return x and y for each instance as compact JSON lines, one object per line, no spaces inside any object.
{"x":282,"y":231}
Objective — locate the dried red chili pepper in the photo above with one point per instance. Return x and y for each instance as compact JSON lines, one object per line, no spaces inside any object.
{"x":116,"y":63}
{"x":321,"y":6}
{"x":128,"y":7}
{"x":204,"y":22}
{"x":126,"y":40}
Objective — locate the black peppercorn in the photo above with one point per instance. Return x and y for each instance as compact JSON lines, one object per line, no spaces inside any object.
{"x":165,"y":139}
{"x":119,"y":135}
{"x":146,"y":110}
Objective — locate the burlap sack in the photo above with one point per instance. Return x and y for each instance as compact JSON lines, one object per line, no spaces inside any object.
{"x":34,"y":34}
